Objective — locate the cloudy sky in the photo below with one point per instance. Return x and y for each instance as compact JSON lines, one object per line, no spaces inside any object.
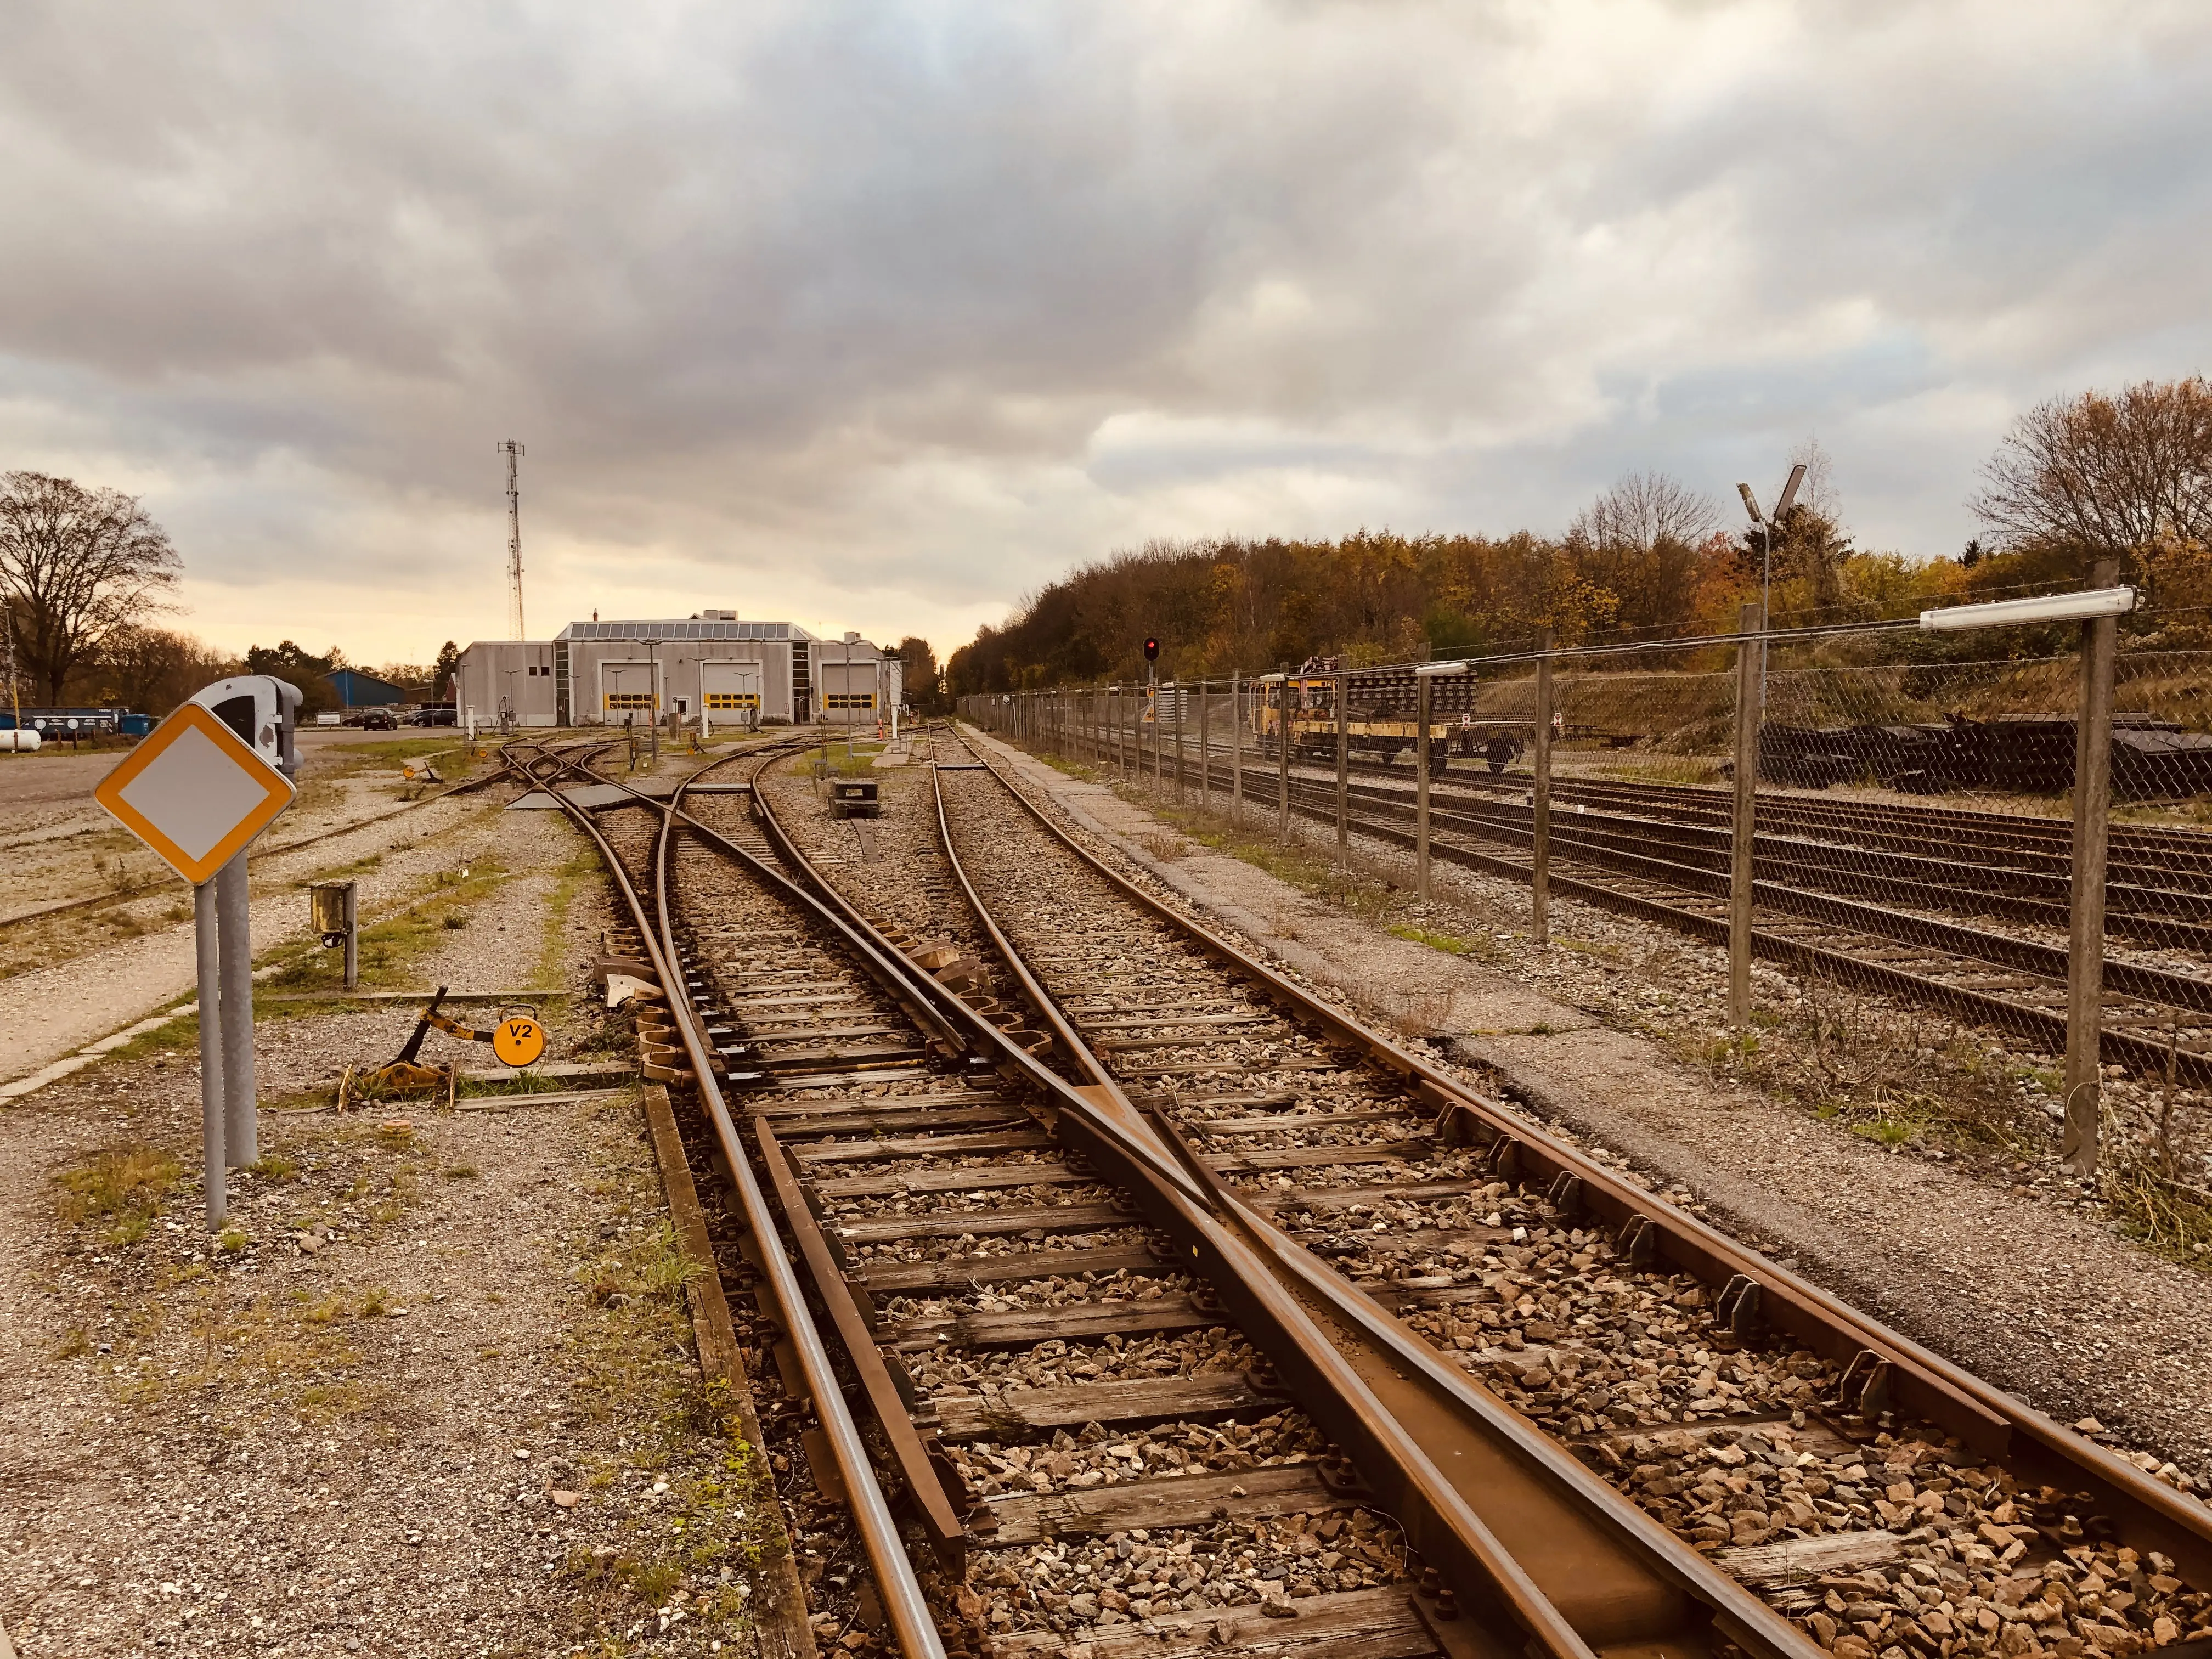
{"x":878,"y":315}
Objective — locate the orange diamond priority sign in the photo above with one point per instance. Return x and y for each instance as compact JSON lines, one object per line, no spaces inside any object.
{"x":194,"y":792}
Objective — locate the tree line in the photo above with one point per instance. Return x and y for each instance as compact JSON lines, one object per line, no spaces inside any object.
{"x":86,"y":581}
{"x":2077,"y":479}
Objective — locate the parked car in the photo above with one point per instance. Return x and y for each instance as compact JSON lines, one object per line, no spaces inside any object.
{"x":378,"y":720}
{"x":432,"y":717}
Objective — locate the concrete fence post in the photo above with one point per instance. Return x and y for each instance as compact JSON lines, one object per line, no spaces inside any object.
{"x":2085,"y":949}
{"x":1343,"y":767}
{"x":1236,"y":749}
{"x":1540,"y":801}
{"x":1205,"y":746}
{"x":1422,"y":693}
{"x":1750,"y":675}
{"x":1182,"y":781}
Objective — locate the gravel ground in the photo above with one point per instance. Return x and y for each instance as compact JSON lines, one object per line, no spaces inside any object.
{"x":85,"y":996}
{"x":2007,"y":1271}
{"x":433,"y":1394}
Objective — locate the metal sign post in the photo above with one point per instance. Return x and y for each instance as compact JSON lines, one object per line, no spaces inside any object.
{"x":197,"y":790}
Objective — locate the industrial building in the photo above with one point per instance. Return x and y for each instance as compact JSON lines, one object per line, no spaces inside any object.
{"x":732,"y":673}
{"x":354,"y":690}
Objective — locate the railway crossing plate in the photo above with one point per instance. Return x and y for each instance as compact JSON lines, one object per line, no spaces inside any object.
{"x":518,"y":1040}
{"x":194,"y":792}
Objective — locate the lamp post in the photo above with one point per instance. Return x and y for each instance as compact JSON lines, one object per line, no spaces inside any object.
{"x":847,"y":680}
{"x":1766,"y":523}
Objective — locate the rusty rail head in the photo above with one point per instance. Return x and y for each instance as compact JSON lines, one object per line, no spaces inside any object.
{"x":1920,"y":1382}
{"x":1665,"y":1584}
{"x":909,"y":1450}
{"x":896,"y":1586}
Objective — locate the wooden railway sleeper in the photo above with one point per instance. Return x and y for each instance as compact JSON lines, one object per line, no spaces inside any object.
{"x":942,"y":1510}
{"x":1929,"y":1387}
{"x":1921,"y":1384}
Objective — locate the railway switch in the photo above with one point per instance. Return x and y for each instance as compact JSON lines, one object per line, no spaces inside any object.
{"x":518,"y":1040}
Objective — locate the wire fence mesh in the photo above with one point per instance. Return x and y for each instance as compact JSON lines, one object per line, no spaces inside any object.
{"x":1913,"y":817}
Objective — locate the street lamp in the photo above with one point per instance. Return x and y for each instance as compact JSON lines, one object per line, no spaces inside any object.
{"x":1766,"y":523}
{"x":846,"y":679}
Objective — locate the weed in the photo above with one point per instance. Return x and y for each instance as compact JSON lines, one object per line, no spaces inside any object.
{"x":457,"y":921}
{"x":459,"y":1171}
{"x":75,"y":1345}
{"x":232,"y":1241}
{"x":1889,"y":1131}
{"x":326,"y":1402}
{"x":276,"y":1167}
{"x":374,"y":1304}
{"x":178,"y":1035}
{"x":1481,"y":946}
{"x":122,"y":1186}
{"x":328,"y":1311}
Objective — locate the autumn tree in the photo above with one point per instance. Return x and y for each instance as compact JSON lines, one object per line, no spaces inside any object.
{"x":151,"y":669}
{"x":919,"y":663}
{"x":2096,"y":476}
{"x":77,"y":567}
{"x":1641,"y":542}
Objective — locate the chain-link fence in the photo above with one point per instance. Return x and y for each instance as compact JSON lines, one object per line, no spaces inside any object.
{"x":1883,"y":811}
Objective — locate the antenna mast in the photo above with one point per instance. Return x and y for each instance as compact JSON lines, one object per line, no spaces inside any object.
{"x":513,"y":452}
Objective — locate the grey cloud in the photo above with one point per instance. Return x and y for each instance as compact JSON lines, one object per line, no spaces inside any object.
{"x":840,"y":301}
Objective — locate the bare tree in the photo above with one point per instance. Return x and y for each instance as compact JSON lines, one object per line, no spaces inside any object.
{"x":1638,"y":542}
{"x":1818,"y":492}
{"x":77,"y":566}
{"x":2099,"y":476}
{"x":152,"y":669}
{"x":1642,"y":510}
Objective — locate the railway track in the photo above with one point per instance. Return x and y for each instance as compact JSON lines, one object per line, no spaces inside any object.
{"x":2158,"y":1004}
{"x":999,"y":1154}
{"x":2157,"y":886}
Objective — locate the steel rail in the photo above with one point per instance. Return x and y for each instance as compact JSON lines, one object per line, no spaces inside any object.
{"x":1282,"y":1323}
{"x":2160,"y":913}
{"x":2048,"y":961}
{"x":897,"y":1587}
{"x":1918,"y":1381}
{"x":2151,"y":985}
{"x":1498,"y":1462}
{"x":2165,"y":848}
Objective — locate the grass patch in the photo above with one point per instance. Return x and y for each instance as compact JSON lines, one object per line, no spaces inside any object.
{"x":390,"y":948}
{"x":1481,"y":947}
{"x":1304,"y":868}
{"x":178,"y":1036}
{"x":121,"y":1188}
{"x":2173,"y":1219}
{"x":448,"y":745}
